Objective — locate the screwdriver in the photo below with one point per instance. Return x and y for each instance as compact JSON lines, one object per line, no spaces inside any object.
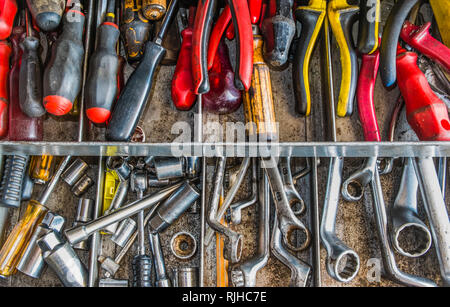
{"x":133,"y":99}
{"x":103,"y":68}
{"x":18,"y":239}
{"x":20,"y":126}
{"x":47,"y":13}
{"x":154,"y":9}
{"x":8,"y":10}
{"x":135,"y":30}
{"x":5,"y":53}
{"x":62,"y":76}
{"x":30,"y":82}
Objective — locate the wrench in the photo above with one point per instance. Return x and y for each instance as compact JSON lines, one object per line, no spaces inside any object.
{"x":233,"y":241}
{"x":436,"y":211}
{"x":289,"y":223}
{"x":299,"y":270}
{"x":235,"y":212}
{"x":295,"y":200}
{"x":353,"y":187}
{"x":342,"y":262}
{"x":244,"y":275}
{"x":387,"y":254}
{"x":404,"y":217}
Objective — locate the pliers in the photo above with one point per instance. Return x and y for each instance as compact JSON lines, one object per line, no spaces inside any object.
{"x":243,"y":28}
{"x":341,"y":16}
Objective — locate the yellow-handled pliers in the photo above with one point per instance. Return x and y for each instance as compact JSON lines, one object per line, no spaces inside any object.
{"x":341,"y":16}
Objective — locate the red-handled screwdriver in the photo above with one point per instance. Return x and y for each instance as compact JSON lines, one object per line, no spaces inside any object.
{"x":5,"y":52}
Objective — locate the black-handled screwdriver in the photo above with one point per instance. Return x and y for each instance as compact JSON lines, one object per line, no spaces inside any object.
{"x":101,"y":85}
{"x":133,"y":99}
{"x":30,"y":77}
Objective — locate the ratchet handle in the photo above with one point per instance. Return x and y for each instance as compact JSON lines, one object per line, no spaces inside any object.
{"x":202,"y":28}
{"x":8,"y":10}
{"x":365,"y":96}
{"x":244,"y":40}
{"x":389,"y":41}
{"x":420,"y":39}
{"x":223,"y":22}
{"x":18,"y":239}
{"x":30,"y":81}
{"x":183,"y":95}
{"x":425,"y":112}
{"x":369,"y":19}
{"x":258,"y":100}
{"x":342,"y":17}
{"x":133,"y":99}
{"x":5,"y":53}
{"x":311,"y":19}
{"x":101,"y":82}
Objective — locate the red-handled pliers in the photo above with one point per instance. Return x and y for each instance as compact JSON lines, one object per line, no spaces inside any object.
{"x":240,"y":15}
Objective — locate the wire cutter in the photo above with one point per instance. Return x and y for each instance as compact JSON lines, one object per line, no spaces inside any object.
{"x":341,"y":16}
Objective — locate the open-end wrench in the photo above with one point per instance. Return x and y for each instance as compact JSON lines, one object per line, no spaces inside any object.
{"x":404,"y":217}
{"x":290,"y":225}
{"x":235,"y":212}
{"x":342,"y":262}
{"x":295,"y":200}
{"x":299,"y":270}
{"x":436,"y":211}
{"x":244,"y":275}
{"x":390,"y":266}
{"x":232,"y":249}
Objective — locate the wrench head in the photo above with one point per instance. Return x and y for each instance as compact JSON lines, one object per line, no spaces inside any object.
{"x":295,"y":236}
{"x":412,"y":240}
{"x":232,"y":250}
{"x":344,"y":266}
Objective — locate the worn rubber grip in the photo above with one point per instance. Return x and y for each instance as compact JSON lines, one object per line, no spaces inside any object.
{"x":342,"y":16}
{"x":278,"y":32}
{"x":101,"y":84}
{"x":311,"y":19}
{"x":365,"y":96}
{"x":133,"y":99}
{"x":202,"y":28}
{"x":244,"y":40}
{"x":47,"y":13}
{"x":369,"y":20}
{"x":30,"y":79}
{"x":389,"y":40}
{"x":12,"y":181}
{"x":258,"y":100}
{"x":8,"y":10}
{"x":5,"y":53}
{"x":62,"y":76}
{"x":425,"y":112}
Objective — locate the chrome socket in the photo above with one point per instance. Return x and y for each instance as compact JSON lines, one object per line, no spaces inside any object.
{"x":124,"y":232}
{"x":84,"y":215}
{"x":74,"y":172}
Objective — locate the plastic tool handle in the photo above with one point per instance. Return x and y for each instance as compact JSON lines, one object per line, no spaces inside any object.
{"x":255,"y":8}
{"x":342,"y":16}
{"x":389,"y":41}
{"x":365,"y":96}
{"x":311,"y":18}
{"x":244,"y":40}
{"x":20,"y":126}
{"x":62,"y":76}
{"x":101,"y":90}
{"x":41,"y":168}
{"x":279,"y":31}
{"x":154,"y":9}
{"x":8,"y":10}
{"x":258,"y":101}
{"x":420,"y":39}
{"x":202,"y":28}
{"x":135,"y":30}
{"x":133,"y":99}
{"x":30,"y":77}
{"x":425,"y":112}
{"x":224,"y":97}
{"x":222,"y":23}
{"x":47,"y":13}
{"x":12,"y":181}
{"x":183,"y":95}
{"x":369,"y":20}
{"x":5,"y":53}
{"x":18,"y":239}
